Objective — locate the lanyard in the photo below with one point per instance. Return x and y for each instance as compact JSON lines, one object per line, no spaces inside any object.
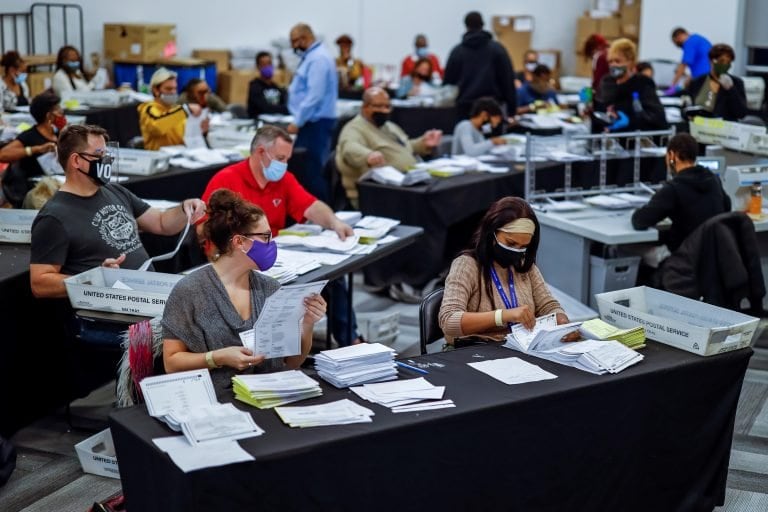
{"x":509,"y":304}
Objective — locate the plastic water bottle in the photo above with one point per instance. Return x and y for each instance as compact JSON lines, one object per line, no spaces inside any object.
{"x":140,"y":85}
{"x":636,"y":105}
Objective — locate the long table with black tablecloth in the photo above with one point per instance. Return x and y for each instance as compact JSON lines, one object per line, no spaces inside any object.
{"x":449,"y":209}
{"x":655,"y":437}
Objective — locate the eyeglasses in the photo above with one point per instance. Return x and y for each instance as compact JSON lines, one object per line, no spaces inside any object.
{"x":265,"y":237}
{"x":104,"y":157}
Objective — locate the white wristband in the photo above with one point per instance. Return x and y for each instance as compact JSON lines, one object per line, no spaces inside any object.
{"x":497,"y":318}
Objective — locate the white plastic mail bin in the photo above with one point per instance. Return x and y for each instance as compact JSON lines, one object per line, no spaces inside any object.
{"x":94,"y":289}
{"x":97,"y":455}
{"x":16,"y":225}
{"x":684,"y":323}
{"x":142,"y":162}
{"x":610,"y":274}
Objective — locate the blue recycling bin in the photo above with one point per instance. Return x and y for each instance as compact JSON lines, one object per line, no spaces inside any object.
{"x":135,"y":72}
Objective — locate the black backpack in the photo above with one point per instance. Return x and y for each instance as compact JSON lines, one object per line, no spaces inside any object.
{"x":7,"y":460}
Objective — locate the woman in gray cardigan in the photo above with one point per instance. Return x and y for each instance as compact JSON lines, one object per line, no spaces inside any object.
{"x":208,"y":309}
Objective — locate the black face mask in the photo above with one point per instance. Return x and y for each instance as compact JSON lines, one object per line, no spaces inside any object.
{"x":100,"y":171}
{"x":508,"y":258}
{"x":380,"y":118}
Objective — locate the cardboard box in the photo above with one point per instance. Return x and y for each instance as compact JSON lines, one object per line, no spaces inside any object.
{"x":133,"y":42}
{"x":16,"y":225}
{"x":582,"y":66}
{"x":515,"y":34}
{"x":670,"y":319}
{"x":629,"y":13}
{"x":550,"y":58}
{"x":222,"y":58}
{"x":97,"y":455}
{"x":609,"y":28}
{"x":233,"y":85}
{"x":93,"y":289}
{"x":40,"y":59}
{"x":39,"y":81}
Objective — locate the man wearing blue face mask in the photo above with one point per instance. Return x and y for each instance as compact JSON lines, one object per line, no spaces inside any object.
{"x":312,"y":99}
{"x":264,"y":180}
{"x":421,"y":52}
{"x":264,"y":95}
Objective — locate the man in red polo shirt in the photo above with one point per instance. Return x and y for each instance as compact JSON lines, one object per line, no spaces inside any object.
{"x":264,"y":180}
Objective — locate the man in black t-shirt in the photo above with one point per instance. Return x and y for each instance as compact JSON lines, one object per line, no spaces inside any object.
{"x":90,"y":222}
{"x":264,"y":96}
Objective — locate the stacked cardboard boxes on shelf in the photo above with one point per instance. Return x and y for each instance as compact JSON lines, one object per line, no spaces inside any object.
{"x":140,"y":43}
{"x":623,"y":22}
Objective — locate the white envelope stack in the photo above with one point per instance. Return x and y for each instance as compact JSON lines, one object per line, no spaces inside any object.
{"x":356,"y":364}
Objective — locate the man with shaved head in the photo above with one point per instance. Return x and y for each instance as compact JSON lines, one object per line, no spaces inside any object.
{"x":312,"y":99}
{"x":371,"y":140}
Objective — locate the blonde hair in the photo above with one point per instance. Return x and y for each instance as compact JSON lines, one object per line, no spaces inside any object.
{"x":624,"y":47}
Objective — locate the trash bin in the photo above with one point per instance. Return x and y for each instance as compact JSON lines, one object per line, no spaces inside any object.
{"x":610,"y":274}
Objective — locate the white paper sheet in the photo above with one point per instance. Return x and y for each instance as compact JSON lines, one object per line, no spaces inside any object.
{"x":178,"y":392}
{"x":512,"y":370}
{"x":193,"y":132}
{"x":190,"y":458}
{"x":277,"y":331}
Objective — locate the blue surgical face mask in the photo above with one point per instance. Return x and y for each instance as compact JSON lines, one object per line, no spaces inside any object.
{"x":73,"y":65}
{"x":21,"y":78}
{"x":275,"y":170}
{"x":263,"y":255}
{"x":422,"y":52}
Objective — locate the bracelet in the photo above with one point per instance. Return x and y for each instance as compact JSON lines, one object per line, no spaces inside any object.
{"x":497,"y":318}
{"x":209,"y":360}
{"x":28,"y":150}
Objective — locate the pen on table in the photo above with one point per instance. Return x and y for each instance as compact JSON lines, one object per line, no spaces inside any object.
{"x":409,"y":367}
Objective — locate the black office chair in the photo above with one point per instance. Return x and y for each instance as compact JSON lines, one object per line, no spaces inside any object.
{"x":338,"y":196}
{"x":238,"y":111}
{"x":429,"y":327}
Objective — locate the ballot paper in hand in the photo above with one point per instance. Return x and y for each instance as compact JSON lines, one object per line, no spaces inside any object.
{"x":544,"y":335}
{"x":277,"y":331}
{"x":193,"y":131}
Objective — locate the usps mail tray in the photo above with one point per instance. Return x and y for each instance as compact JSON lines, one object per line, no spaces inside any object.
{"x":16,"y":225}
{"x":97,"y":455}
{"x":94,"y":290}
{"x":142,"y":162}
{"x":687,"y":324}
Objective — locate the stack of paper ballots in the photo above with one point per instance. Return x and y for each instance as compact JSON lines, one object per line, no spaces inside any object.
{"x":340,"y":412}
{"x":272,"y":389}
{"x":597,"y":329}
{"x":594,"y":356}
{"x":405,"y":395}
{"x":356,"y":364}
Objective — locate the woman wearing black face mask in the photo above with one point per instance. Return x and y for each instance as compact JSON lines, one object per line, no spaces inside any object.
{"x":627,"y":100}
{"x":495,"y":283}
{"x":419,"y":82}
{"x":719,"y":93}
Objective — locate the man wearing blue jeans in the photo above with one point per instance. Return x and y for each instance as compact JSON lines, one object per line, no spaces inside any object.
{"x":312,"y":99}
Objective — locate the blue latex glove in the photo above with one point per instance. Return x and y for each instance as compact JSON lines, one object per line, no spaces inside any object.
{"x":620,"y":123}
{"x":671,"y":90}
